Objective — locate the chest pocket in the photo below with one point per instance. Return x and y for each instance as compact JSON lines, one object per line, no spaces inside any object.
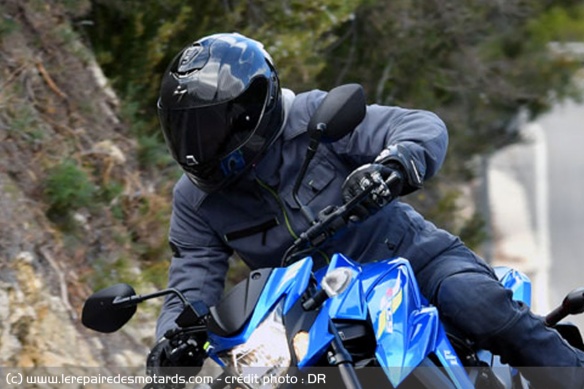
{"x":249,"y":229}
{"x":319,"y":177}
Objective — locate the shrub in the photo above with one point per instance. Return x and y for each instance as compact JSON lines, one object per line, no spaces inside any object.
{"x":67,"y":188}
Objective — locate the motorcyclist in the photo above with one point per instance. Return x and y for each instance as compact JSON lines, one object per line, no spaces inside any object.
{"x":240,"y":139}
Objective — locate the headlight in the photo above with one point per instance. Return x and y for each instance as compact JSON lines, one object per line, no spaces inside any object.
{"x":265,"y":356}
{"x":300,"y":343}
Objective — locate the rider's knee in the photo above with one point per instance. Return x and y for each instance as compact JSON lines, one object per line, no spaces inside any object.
{"x":476,"y":304}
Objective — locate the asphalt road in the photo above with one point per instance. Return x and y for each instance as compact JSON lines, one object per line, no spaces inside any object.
{"x":564,"y":137}
{"x":536,"y":196}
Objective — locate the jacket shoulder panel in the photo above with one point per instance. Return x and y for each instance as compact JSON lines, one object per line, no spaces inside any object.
{"x":185,"y":191}
{"x":303,"y":107}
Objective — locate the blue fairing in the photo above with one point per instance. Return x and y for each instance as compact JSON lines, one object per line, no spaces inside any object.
{"x":385,"y":293}
{"x":290,"y":282}
{"x":406,"y":329}
{"x":516,"y":281}
{"x":520,"y":285}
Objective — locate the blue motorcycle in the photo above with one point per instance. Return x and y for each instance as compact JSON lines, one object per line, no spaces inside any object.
{"x":353,"y":325}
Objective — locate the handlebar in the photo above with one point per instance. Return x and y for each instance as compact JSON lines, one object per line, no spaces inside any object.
{"x":572,"y":304}
{"x":555,"y":316}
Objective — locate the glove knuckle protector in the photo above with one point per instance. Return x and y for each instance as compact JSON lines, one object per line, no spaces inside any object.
{"x":370,"y":177}
{"x":401,"y":158}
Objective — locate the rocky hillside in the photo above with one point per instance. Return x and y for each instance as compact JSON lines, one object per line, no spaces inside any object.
{"x":75,"y":211}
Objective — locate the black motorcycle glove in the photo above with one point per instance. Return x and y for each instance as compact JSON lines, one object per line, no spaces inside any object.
{"x":395,"y":160}
{"x":401,"y":158}
{"x":175,"y":357}
{"x":372,"y":176}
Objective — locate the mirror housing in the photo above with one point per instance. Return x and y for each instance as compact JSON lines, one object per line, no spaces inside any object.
{"x":342,"y":109}
{"x":574,"y":302}
{"x":101,"y":311}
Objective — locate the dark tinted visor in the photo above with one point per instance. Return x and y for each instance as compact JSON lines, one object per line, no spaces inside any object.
{"x":199,"y":137}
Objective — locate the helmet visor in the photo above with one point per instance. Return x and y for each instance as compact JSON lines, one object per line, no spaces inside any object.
{"x":200,"y":137}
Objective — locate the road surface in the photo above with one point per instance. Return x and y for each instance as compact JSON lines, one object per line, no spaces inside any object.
{"x":536,"y":192}
{"x":564,"y":136}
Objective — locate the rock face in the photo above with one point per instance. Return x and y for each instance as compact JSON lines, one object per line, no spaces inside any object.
{"x":57,"y":111}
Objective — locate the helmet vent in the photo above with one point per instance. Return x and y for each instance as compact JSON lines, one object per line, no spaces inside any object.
{"x":193,"y":58}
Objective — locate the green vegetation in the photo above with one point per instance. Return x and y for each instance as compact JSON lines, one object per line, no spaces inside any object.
{"x":475,"y":63}
{"x":108,"y":273}
{"x":7,"y":24}
{"x":67,"y":188}
{"x":23,"y":121}
{"x":135,"y":40}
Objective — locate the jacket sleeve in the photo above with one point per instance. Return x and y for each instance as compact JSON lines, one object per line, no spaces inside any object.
{"x":200,"y":260}
{"x":423,"y":133}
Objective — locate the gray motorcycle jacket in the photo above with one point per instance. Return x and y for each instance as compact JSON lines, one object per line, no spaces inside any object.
{"x":258,"y":218}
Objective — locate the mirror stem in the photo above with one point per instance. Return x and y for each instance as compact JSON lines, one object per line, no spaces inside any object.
{"x":310,"y":152}
{"x":138,"y":298}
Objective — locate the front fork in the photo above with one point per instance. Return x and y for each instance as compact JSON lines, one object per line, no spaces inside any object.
{"x":340,"y":357}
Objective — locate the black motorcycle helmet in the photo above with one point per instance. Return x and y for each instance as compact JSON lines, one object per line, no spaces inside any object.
{"x":220,"y":108}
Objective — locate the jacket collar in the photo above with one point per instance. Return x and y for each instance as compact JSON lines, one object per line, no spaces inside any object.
{"x":268,"y":167}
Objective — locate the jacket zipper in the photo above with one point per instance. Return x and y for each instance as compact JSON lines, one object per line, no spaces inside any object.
{"x":281,"y":205}
{"x":286,"y":218}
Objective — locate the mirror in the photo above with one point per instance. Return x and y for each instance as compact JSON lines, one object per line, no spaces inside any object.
{"x":574,"y":302}
{"x":101,"y":314}
{"x":341,"y":111}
